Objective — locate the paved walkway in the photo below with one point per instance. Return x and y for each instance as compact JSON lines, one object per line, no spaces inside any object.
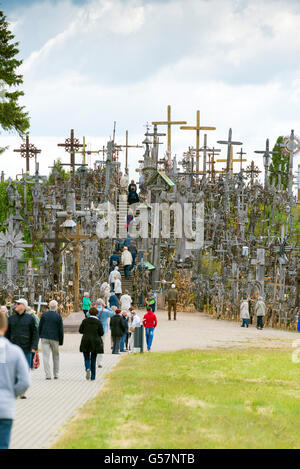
{"x":51,"y":404}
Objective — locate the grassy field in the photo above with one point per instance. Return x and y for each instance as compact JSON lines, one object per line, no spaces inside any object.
{"x":194,"y":399}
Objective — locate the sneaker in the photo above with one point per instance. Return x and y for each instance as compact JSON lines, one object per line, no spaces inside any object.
{"x":99,"y":366}
{"x":88,"y":374}
{"x":23,"y":396}
{"x":48,"y":378}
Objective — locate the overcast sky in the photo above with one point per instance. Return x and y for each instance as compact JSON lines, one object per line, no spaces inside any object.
{"x":88,"y":63}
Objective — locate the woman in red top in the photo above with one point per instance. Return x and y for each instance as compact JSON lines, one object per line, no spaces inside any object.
{"x":149,"y":322}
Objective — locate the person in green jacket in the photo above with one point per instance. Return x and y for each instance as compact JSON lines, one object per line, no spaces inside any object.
{"x":86,"y":303}
{"x":150,"y":301}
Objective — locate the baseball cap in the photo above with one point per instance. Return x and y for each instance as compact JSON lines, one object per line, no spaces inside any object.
{"x":22,"y":301}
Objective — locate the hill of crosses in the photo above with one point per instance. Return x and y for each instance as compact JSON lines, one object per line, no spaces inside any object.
{"x":217,"y":226}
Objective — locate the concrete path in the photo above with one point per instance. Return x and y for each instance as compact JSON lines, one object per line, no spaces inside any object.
{"x":199,"y":330}
{"x":51,"y":404}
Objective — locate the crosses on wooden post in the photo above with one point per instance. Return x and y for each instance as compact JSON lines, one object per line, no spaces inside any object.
{"x":126,"y":146}
{"x":27,"y":150}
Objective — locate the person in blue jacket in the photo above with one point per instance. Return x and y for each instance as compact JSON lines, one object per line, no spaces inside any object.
{"x":104,"y":314}
{"x":113,"y":299}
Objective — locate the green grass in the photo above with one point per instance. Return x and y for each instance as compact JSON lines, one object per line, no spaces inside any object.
{"x":194,"y":399}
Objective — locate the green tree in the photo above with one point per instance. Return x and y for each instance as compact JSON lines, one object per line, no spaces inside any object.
{"x":280,"y":162}
{"x":12,"y":115}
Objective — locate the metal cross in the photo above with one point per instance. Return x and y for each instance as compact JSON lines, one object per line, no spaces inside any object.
{"x":266,"y":155}
{"x":229,"y":144}
{"x":40,"y":303}
{"x":27,"y":150}
{"x":71,"y":146}
{"x":197,"y":128}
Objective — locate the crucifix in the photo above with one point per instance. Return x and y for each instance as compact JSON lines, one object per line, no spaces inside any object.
{"x":197,"y":128}
{"x":232,"y":160}
{"x":266,"y":156}
{"x":76,"y":239}
{"x":229,"y":144}
{"x":55,"y":250}
{"x":169,"y":124}
{"x":27,"y":150}
{"x":156,"y":142}
{"x":71,"y":146}
{"x":126,"y":146}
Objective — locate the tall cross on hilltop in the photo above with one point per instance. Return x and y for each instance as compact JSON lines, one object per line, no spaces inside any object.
{"x":169,"y":124}
{"x":71,"y":146}
{"x":197,"y":128}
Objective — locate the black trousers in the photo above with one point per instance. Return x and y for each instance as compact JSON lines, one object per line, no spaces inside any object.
{"x":260,"y":322}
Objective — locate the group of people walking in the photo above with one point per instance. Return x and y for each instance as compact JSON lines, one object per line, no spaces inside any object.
{"x":259,"y":312}
{"x":19,"y":338}
{"x":102,"y":317}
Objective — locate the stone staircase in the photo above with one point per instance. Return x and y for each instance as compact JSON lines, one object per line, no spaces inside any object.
{"x":127,"y":283}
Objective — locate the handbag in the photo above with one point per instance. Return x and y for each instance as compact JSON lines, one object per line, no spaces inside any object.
{"x":36,"y":361}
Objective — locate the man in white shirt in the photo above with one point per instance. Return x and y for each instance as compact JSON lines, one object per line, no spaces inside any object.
{"x":135,"y":321}
{"x":126,"y":301}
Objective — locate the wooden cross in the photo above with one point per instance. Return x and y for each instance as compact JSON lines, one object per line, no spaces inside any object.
{"x":128,"y":146}
{"x":27,"y":150}
{"x":76,"y":242}
{"x":232,"y":160}
{"x":71,"y":146}
{"x":85,"y":152}
{"x":169,"y":124}
{"x":197,"y":128}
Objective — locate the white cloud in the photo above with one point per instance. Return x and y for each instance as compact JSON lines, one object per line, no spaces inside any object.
{"x":126,"y":60}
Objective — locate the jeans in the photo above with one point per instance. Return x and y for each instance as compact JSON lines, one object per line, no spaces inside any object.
{"x":133,"y":260}
{"x":29,"y":359}
{"x":127,"y":270}
{"x":90,"y":363}
{"x":245,"y":323}
{"x":149,"y":336}
{"x":122,"y":342}
{"x":116,"y":344}
{"x":5,"y":432}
